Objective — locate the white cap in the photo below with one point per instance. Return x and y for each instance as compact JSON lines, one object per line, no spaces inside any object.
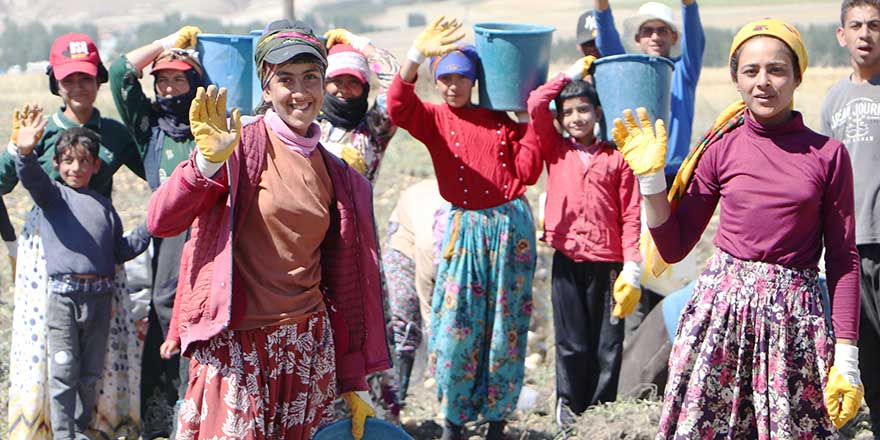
{"x":648,"y":11}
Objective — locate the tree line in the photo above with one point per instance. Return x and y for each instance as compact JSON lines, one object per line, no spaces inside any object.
{"x":23,"y":43}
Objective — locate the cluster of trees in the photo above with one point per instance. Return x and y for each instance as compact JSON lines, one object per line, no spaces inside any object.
{"x":820,"y":39}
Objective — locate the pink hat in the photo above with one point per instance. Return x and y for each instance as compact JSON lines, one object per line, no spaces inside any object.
{"x":346,"y":60}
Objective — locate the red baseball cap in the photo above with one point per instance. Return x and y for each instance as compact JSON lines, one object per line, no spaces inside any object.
{"x":72,"y":53}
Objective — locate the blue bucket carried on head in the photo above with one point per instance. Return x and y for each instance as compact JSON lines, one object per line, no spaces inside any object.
{"x":631,"y":81}
{"x":374,"y":429}
{"x":515,"y":59}
{"x":229,"y":62}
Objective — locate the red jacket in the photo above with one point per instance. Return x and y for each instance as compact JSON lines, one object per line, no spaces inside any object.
{"x":209,"y":299}
{"x":591,"y":214}
{"x":475,"y":151}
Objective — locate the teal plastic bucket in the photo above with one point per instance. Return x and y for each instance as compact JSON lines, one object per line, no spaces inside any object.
{"x":515,"y":58}
{"x":229,"y":62}
{"x":374,"y":429}
{"x":631,"y":81}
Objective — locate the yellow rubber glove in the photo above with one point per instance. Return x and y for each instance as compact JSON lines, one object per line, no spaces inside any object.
{"x":844,"y":390}
{"x":17,"y":116}
{"x":643,"y":147}
{"x":627,"y":290}
{"x":207,"y":118}
{"x":360,"y":410}
{"x":581,"y":68}
{"x":354,"y":158}
{"x":187,"y":37}
{"x":439,"y":37}
{"x":337,"y":36}
{"x":31,"y":126}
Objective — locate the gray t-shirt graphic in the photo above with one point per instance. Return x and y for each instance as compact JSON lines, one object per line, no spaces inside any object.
{"x":851,"y":114}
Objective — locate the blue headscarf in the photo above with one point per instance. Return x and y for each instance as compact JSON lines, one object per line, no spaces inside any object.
{"x":463,"y":61}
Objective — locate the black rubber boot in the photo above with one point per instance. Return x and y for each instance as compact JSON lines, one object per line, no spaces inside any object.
{"x":405,"y":362}
{"x":496,"y":430}
{"x":451,"y":431}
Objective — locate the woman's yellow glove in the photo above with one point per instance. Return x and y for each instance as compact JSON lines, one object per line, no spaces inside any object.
{"x":643,"y":146}
{"x":581,"y":68}
{"x":187,"y":37}
{"x":207,"y":118}
{"x":344,"y":36}
{"x":438,"y":38}
{"x":627,"y":290}
{"x":360,"y":410}
{"x":844,"y":390}
{"x":184,"y":38}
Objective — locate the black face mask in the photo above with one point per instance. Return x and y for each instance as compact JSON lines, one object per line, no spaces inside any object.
{"x":173,"y":112}
{"x":345,"y":113}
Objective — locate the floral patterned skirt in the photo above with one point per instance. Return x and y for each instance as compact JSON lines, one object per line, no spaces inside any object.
{"x":751,"y":356}
{"x":480,"y":311}
{"x":117,"y":413}
{"x":275,"y":382}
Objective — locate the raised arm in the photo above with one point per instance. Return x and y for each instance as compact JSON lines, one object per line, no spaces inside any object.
{"x":197,"y":184}
{"x":693,"y":41}
{"x":607,"y":38}
{"x":41,"y":188}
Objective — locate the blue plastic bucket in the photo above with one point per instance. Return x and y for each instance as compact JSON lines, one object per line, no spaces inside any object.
{"x":515,"y":58}
{"x":229,"y":62}
{"x":374,"y":429}
{"x":631,"y":81}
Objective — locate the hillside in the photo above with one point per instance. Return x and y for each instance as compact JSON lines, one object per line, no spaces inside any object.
{"x":119,"y":15}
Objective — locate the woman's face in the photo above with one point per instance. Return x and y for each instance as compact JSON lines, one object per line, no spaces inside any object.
{"x":455,"y":89}
{"x":765,"y":78}
{"x":171,"y":83}
{"x":78,"y":90}
{"x":296,"y":91}
{"x":345,"y":86}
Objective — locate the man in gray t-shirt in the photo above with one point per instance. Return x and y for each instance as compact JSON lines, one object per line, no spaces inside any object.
{"x":851,"y":114}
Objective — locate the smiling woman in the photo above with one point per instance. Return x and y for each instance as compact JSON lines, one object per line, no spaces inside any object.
{"x":310,"y":241}
{"x":767,"y":164}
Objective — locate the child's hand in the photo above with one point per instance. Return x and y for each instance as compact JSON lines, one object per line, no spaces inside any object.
{"x":31,"y":123}
{"x":169,"y":348}
{"x":439,"y":37}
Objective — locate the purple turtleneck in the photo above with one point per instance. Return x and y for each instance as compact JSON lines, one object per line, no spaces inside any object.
{"x":783,"y":191}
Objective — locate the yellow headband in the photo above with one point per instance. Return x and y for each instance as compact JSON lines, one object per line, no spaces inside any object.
{"x":773,"y":28}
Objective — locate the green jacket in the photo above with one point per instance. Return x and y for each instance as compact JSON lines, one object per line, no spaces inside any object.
{"x":138,"y":114}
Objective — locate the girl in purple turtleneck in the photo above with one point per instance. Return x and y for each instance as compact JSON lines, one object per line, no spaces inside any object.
{"x":753,"y":352}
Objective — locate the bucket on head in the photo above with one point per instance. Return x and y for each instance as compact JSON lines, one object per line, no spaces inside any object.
{"x":374,"y":429}
{"x":630,"y":81}
{"x":229,"y":61}
{"x":515,"y":58}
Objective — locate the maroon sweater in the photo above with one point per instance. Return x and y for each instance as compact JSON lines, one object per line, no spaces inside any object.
{"x":783,"y":191}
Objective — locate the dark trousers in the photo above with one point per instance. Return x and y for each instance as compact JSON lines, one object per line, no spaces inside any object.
{"x":160,"y":378}
{"x":78,"y":316}
{"x":588,"y":345}
{"x":869,"y":330}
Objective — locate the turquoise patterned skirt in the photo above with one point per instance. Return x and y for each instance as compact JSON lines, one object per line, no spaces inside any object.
{"x":480,"y":310}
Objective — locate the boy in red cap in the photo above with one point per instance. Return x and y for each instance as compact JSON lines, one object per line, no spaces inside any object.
{"x":75,"y":74}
